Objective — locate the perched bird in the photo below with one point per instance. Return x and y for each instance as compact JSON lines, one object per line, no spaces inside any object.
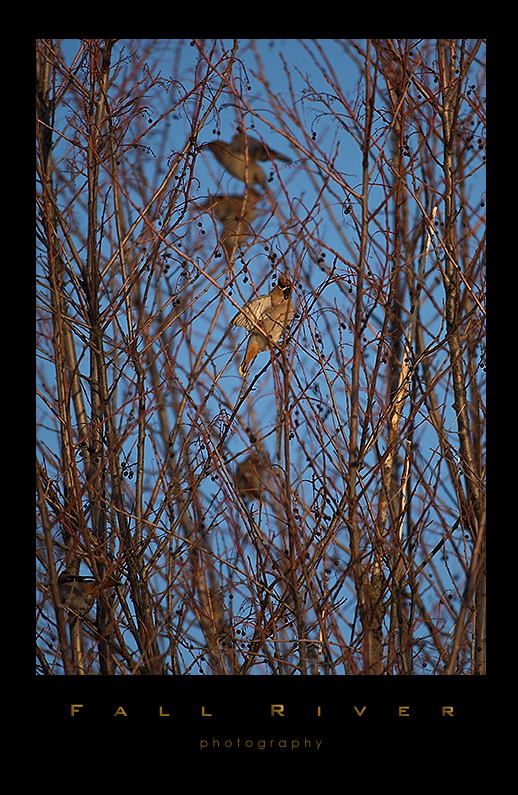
{"x":256,"y":148}
{"x":238,"y":163}
{"x":236,"y":213}
{"x":240,"y":155}
{"x":248,"y":478}
{"x":272,"y":312}
{"x":79,"y":593}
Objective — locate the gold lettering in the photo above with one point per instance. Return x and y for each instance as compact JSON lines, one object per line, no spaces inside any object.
{"x":358,"y":711}
{"x":277,"y":709}
{"x":163,"y":714}
{"x":74,"y":708}
{"x":402,"y":713}
{"x":205,"y":715}
{"x":120,"y":711}
{"x":448,"y":711}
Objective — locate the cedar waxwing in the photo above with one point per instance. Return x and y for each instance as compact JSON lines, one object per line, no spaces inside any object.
{"x":236,"y":213}
{"x":257,"y":150}
{"x":79,"y":593}
{"x":248,"y":478}
{"x":273,"y":312}
{"x":238,"y":162}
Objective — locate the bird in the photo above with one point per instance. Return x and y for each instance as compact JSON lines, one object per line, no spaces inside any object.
{"x":236,"y":162}
{"x":79,"y":593}
{"x":272,"y":312}
{"x":248,"y":478}
{"x":236,"y":213}
{"x":240,"y":155}
{"x":257,"y":149}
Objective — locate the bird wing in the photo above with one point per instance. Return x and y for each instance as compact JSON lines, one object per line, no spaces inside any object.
{"x":256,"y":149}
{"x":252,"y":312}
